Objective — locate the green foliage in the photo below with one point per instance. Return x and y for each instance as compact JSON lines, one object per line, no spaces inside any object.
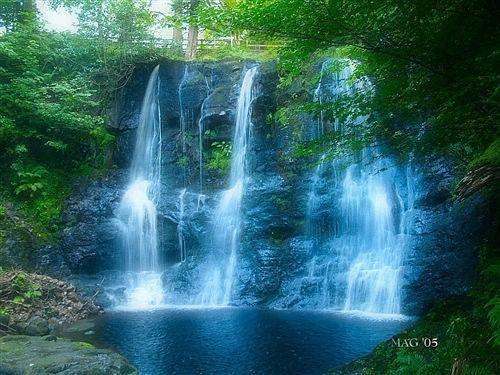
{"x":410,"y":364}
{"x":14,"y":13}
{"x":122,"y":20}
{"x":491,"y":156}
{"x":55,"y":90}
{"x":4,"y":311}
{"x":434,"y":66}
{"x":210,"y":134}
{"x":28,"y":180}
{"x":494,"y":317}
{"x":235,"y":52}
{"x":20,"y":280}
{"x":48,"y":119}
{"x":48,"y":205}
{"x":220,"y":157}
{"x":28,"y":296}
{"x":25,"y":290}
{"x":477,"y":370}
{"x":183,"y":161}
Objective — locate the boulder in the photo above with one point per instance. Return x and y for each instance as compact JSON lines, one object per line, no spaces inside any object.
{"x":48,"y":355}
{"x":37,"y":326}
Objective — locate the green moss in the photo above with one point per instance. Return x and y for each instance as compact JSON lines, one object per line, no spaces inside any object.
{"x":85,"y":345}
{"x":491,"y":156}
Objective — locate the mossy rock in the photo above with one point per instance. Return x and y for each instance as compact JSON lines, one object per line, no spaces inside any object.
{"x":42,"y":355}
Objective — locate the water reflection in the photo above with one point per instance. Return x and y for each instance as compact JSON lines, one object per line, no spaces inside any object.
{"x":240,"y":340}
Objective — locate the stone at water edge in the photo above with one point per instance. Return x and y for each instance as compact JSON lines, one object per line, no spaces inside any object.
{"x":44,"y":355}
{"x":36,"y":326}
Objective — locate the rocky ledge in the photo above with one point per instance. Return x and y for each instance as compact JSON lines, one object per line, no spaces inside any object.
{"x":50,"y":355}
{"x":37,"y":305}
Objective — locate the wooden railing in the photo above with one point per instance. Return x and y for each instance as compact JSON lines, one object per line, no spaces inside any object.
{"x":219,"y":42}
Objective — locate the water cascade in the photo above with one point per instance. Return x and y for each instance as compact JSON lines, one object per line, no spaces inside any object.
{"x":334,"y":84}
{"x":227,"y":219}
{"x":354,"y":207}
{"x":318,"y":98}
{"x":369,"y":209}
{"x":314,"y":224}
{"x":180,"y":226}
{"x":137,"y":211}
{"x":201,"y":129}
{"x":183,"y":115}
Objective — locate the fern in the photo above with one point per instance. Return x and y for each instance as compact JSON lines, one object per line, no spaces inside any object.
{"x":411,"y":364}
{"x":494,"y":318}
{"x":477,"y":370}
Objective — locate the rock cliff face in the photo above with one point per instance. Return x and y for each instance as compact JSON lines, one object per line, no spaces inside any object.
{"x":198,"y":100}
{"x":443,"y":251}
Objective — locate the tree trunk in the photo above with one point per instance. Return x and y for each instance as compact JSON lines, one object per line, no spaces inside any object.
{"x":192,"y":42}
{"x":177,"y":38}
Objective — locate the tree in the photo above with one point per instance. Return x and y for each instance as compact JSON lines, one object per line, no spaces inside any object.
{"x":14,"y":13}
{"x":434,"y":64}
{"x":177,"y":10}
{"x":120,"y":31}
{"x":50,"y":123}
{"x":192,"y":38}
{"x":185,"y":13}
{"x":125,"y":21}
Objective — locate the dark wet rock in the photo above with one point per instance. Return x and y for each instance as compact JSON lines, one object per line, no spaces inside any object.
{"x":125,"y":111}
{"x":89,"y":240}
{"x":274,"y":251}
{"x":39,"y":355}
{"x":102,"y":286}
{"x":91,"y":232}
{"x":36,"y":326}
{"x":49,"y":259}
{"x":443,"y":251}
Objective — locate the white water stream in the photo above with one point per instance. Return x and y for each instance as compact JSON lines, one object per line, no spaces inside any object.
{"x":218,"y":285}
{"x":137,"y":211}
{"x":362,"y":271}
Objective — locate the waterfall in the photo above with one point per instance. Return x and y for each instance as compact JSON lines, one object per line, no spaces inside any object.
{"x":314,"y":225}
{"x":201,"y":129}
{"x":356,"y":266}
{"x":369,"y":236}
{"x":333,"y":86}
{"x":200,"y":147}
{"x":318,"y":97}
{"x":227,"y":219}
{"x":180,"y":226}
{"x":183,"y":123}
{"x":137,"y":211}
